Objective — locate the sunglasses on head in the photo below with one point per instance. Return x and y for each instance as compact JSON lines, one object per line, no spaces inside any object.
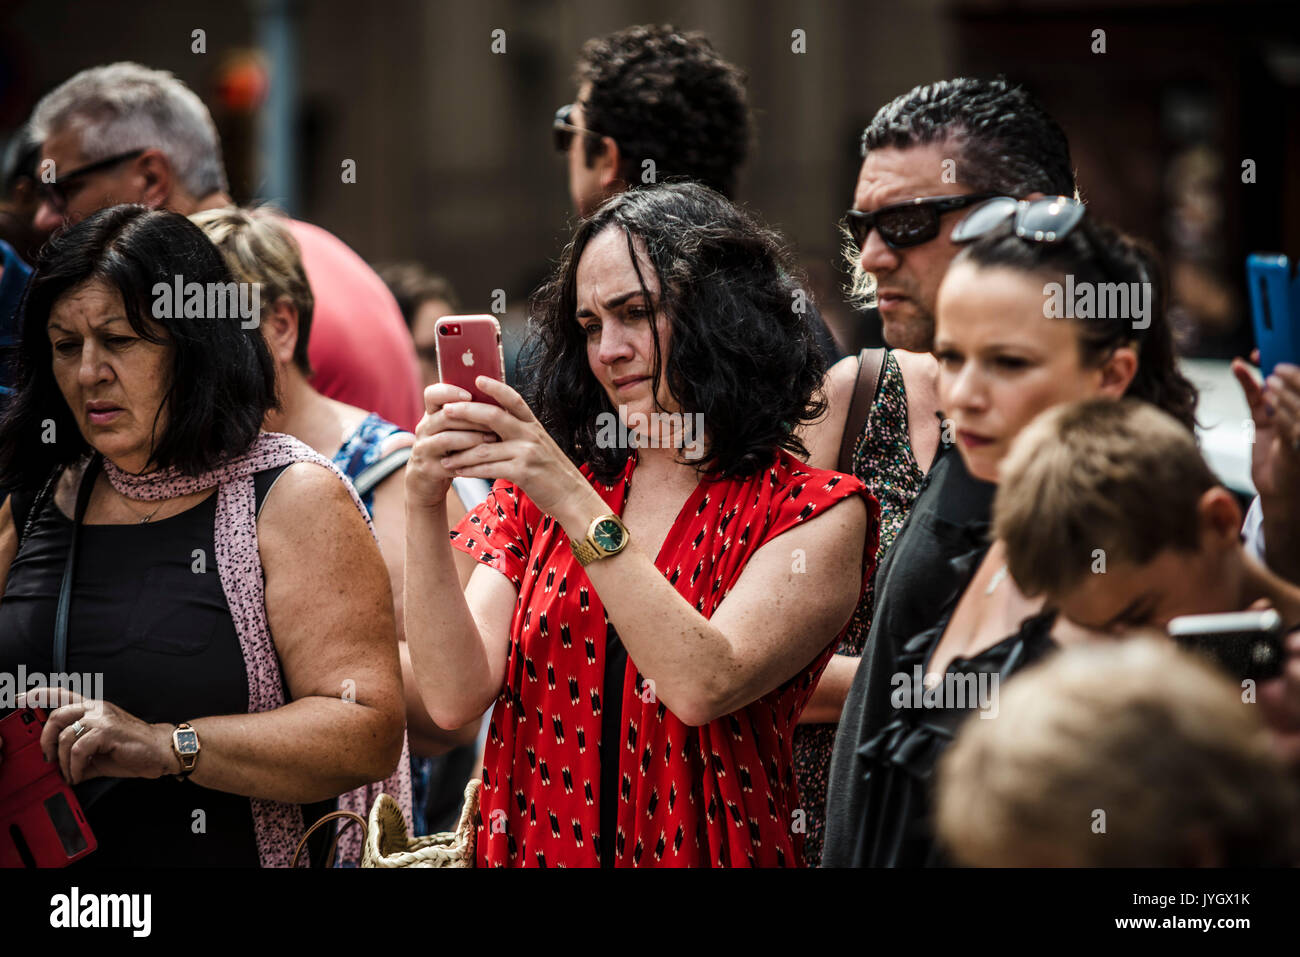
{"x":908,"y":223}
{"x":564,"y":131}
{"x":1046,"y":220}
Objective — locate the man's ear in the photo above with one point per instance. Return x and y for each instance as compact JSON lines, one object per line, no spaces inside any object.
{"x":159,"y":180}
{"x":280,"y":328}
{"x":607,"y":164}
{"x":1219,"y":517}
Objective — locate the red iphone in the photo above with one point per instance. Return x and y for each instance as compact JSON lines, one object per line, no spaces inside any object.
{"x":41,"y":821}
{"x":468,"y":347}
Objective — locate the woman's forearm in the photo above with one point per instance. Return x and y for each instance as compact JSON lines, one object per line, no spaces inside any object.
{"x":426,"y":738}
{"x":832,"y":689}
{"x":452,"y":671}
{"x":686,"y":656}
{"x":773,"y":626}
{"x":309,"y":750}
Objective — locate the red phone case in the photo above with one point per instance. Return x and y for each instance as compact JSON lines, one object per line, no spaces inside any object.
{"x":38,"y":808}
{"x":468,"y":347}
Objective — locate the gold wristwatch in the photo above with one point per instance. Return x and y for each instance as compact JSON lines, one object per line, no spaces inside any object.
{"x":185,"y":744}
{"x":606,"y":536}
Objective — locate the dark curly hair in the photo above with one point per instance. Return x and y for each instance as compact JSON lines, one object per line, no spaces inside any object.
{"x":222,"y":379}
{"x":742,"y":351}
{"x":1006,"y":142}
{"x":668,"y":97}
{"x":1094,"y":253}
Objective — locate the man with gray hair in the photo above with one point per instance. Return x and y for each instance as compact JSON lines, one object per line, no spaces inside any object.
{"x":124,"y":133}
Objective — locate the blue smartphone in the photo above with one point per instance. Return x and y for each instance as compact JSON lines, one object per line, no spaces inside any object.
{"x":1275,"y":307}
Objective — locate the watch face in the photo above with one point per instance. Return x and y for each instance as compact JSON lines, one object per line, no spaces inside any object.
{"x":187,"y":742}
{"x":608,"y":535}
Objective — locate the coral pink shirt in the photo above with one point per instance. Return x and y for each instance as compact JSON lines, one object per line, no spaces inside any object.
{"x":360,"y":348}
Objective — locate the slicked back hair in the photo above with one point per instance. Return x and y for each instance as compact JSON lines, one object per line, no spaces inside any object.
{"x":1003,"y":139}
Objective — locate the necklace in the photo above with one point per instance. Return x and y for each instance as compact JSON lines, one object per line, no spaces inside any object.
{"x":145,"y":520}
{"x":998,"y":577}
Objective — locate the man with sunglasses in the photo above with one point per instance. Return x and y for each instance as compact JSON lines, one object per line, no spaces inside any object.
{"x":123,"y":133}
{"x":930,"y":158}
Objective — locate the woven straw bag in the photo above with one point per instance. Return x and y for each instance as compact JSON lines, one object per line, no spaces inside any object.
{"x":388,"y":845}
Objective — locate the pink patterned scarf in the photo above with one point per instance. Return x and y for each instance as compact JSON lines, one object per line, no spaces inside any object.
{"x":278,"y":826}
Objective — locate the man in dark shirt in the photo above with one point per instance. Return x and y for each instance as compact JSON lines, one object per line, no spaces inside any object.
{"x":945,"y":139}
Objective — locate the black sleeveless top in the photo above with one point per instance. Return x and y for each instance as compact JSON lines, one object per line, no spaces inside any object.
{"x":149,"y":614}
{"x":897,"y":764}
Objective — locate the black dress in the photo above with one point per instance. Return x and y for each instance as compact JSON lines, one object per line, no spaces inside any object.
{"x":149,"y":615}
{"x":896,"y":765}
{"x":948,"y":520}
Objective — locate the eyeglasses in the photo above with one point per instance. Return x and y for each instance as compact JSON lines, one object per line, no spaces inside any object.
{"x":909,"y":223}
{"x":564,"y":131}
{"x":56,"y":193}
{"x":1047,"y":220}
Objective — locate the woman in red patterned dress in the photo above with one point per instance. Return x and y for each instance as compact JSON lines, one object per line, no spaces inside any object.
{"x":651,"y":623}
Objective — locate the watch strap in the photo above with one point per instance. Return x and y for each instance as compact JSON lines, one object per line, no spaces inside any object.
{"x":188,"y":761}
{"x":584,"y":552}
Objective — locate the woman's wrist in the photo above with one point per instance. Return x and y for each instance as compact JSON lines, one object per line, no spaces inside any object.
{"x":580,"y":511}
{"x":168,"y":761}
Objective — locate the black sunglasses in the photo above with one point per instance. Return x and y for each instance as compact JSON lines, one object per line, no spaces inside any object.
{"x":1046,"y":220}
{"x":908,"y":223}
{"x":564,"y":131}
{"x":56,"y":193}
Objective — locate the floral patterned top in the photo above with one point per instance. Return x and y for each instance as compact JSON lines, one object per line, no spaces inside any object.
{"x":722,"y":794}
{"x":883,"y":460}
{"x":374,"y":439}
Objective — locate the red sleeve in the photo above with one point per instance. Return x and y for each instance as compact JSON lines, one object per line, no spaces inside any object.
{"x":498,"y":532}
{"x":807,"y":492}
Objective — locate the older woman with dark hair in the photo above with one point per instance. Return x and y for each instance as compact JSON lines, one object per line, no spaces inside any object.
{"x":662,"y":581}
{"x":222,"y":579}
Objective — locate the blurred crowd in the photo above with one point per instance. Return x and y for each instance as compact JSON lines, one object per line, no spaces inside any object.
{"x":909,"y":607}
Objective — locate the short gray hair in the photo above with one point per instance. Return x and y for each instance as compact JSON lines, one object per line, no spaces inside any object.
{"x":125,"y":106}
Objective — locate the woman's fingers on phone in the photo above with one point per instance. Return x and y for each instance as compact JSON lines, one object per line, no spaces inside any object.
{"x":510,"y":400}
{"x":480,"y":416}
{"x":454,"y":441}
{"x":440,"y":393}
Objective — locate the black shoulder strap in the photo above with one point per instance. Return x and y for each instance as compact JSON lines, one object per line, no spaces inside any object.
{"x":26,"y":507}
{"x":871,"y":366}
{"x":70,"y":567}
